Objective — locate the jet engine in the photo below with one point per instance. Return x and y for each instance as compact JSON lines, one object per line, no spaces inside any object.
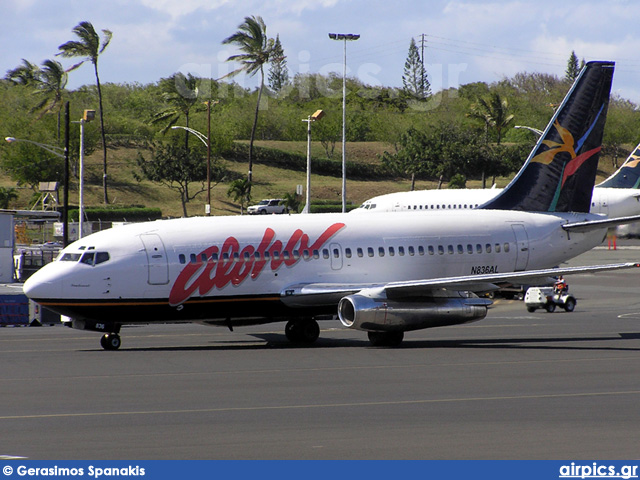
{"x":384,"y":315}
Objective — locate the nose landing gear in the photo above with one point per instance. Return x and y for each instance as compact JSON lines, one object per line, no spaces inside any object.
{"x":110,"y":341}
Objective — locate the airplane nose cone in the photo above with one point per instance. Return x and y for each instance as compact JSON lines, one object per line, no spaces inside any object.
{"x":42,"y":284}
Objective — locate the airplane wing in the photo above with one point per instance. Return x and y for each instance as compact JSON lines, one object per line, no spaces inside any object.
{"x":597,"y":224}
{"x":314,"y":294}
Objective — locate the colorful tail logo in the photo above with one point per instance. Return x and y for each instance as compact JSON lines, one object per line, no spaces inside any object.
{"x":571,"y":147}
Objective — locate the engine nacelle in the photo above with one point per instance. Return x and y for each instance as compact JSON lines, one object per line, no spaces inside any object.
{"x":383,"y":315}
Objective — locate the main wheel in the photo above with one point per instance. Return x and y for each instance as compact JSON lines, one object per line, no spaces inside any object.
{"x":302,"y":331}
{"x":110,"y":341}
{"x":385,"y":339}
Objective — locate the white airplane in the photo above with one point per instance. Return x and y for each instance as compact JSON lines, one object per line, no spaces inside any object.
{"x":384,"y":274}
{"x":617,"y":196}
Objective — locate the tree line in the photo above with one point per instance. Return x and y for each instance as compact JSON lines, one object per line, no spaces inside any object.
{"x":457,"y":133}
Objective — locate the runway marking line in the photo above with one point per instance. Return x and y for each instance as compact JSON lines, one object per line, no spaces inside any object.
{"x":312,"y":406}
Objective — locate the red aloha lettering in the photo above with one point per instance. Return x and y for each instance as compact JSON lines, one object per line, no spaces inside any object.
{"x":234,"y":266}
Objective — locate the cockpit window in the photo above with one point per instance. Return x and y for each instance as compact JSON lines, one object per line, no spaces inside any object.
{"x":88,"y":258}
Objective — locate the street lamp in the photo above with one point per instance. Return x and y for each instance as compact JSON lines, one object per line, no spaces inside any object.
{"x":204,"y":139}
{"x":344,"y":37}
{"x":317,"y":115}
{"x":87,"y":116}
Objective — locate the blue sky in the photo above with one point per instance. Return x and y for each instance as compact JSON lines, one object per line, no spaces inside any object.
{"x":467,"y":41}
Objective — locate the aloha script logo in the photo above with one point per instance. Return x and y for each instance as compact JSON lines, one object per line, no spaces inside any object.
{"x":205,"y":276}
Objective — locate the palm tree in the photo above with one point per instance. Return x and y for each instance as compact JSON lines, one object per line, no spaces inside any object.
{"x":50,"y":84}
{"x":251,"y":38}
{"x":180,"y":93}
{"x":494,"y":112}
{"x":25,"y":74}
{"x":90,"y":47}
{"x":240,"y":191}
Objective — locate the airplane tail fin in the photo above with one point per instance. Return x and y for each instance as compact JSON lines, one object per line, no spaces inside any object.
{"x":560,"y":172}
{"x":628,"y":175}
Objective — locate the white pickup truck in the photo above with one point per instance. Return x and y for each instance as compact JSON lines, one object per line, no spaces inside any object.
{"x":270,"y":205}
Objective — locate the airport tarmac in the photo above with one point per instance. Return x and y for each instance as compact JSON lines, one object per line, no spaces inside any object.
{"x":516,"y":385}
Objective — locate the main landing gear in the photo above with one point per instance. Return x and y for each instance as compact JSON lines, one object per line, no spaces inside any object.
{"x":304,"y":331}
{"x":386,"y":339}
{"x":110,"y":341}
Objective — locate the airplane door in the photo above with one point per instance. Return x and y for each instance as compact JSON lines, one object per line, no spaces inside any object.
{"x":157,"y":263}
{"x":336,"y":256}
{"x":522,"y":246}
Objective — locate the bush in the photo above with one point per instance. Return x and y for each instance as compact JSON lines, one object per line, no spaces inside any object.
{"x":117,"y":214}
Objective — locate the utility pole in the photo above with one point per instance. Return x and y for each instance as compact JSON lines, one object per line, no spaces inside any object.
{"x":424,"y":72}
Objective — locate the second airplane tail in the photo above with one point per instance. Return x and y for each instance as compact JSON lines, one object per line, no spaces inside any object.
{"x":628,"y":175}
{"x":560,"y":172}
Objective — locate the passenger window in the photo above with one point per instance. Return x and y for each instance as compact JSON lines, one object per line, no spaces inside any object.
{"x":370,"y":251}
{"x":360,"y":252}
{"x":181,"y":258}
{"x":285,"y":255}
{"x":431,"y":250}
{"x":316,"y":254}
{"x":487,"y":248}
{"x":478,"y":248}
{"x":325,"y":253}
{"x":193,"y":258}
{"x":347,"y":252}
{"x":305,"y":254}
{"x":203,"y":257}
{"x":497,"y":248}
{"x":440,"y":250}
{"x":411,"y":251}
{"x":381,"y":251}
{"x":401,"y":251}
{"x":247,"y":256}
{"x":236,"y":257}
{"x":420,"y":250}
{"x":336,"y":253}
{"x":276,"y":255}
{"x":214,"y":257}
{"x":469,"y":249}
{"x":450,"y":249}
{"x":506,"y":248}
{"x":460,"y":249}
{"x":392,"y":252}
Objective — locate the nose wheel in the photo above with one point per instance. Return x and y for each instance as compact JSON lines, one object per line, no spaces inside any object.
{"x":110,"y":341}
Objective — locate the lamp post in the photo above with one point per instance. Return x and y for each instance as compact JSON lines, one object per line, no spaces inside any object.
{"x":87,"y":116}
{"x":344,"y":37}
{"x":317,"y":115}
{"x":204,"y":139}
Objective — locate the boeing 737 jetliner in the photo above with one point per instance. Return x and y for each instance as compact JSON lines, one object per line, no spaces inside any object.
{"x":617,"y":196}
{"x":381,"y":273}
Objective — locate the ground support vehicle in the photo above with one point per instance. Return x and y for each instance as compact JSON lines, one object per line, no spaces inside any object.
{"x":549,"y":299}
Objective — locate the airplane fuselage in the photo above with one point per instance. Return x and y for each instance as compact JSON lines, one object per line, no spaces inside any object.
{"x":219,"y":268}
{"x":613,"y":202}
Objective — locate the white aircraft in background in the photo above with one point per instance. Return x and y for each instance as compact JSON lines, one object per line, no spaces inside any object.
{"x":382,"y":273}
{"x":617,"y":196}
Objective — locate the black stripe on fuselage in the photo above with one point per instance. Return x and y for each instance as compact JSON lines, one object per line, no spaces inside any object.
{"x":144,"y":310}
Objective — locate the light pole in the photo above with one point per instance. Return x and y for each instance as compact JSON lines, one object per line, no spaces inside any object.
{"x":344,"y":37}
{"x":87,"y":116}
{"x":204,"y":139}
{"x":317,"y":115}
